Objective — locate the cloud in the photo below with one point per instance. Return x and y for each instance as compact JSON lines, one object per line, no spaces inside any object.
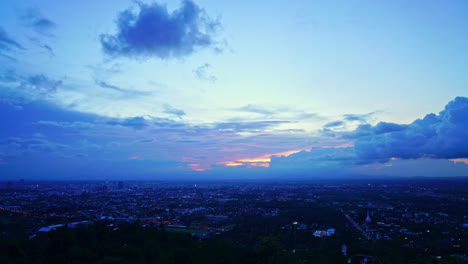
{"x":9,"y":75}
{"x":106,"y":85}
{"x":415,"y":168}
{"x":16,"y":146}
{"x":133,"y":122}
{"x":441,"y":136}
{"x":33,"y":19}
{"x":40,"y":84}
{"x":362,"y":118}
{"x":66,"y":125}
{"x":284,"y":112}
{"x":368,"y":130}
{"x":64,"y":134}
{"x":81,"y":155}
{"x":17,"y":90}
{"x":49,"y":50}
{"x":304,"y":115}
{"x":173,"y":111}
{"x":334,"y":124}
{"x":256,"y":126}
{"x":330,"y":160}
{"x":254,"y":109}
{"x":203,"y":74}
{"x":154,"y":32}
{"x":436,"y":136}
{"x":7,"y":43}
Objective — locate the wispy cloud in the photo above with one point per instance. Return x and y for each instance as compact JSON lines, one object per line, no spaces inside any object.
{"x":284,"y":112}
{"x":106,"y":85}
{"x":35,"y":20}
{"x":173,"y":111}
{"x":334,"y":124}
{"x":7,"y":43}
{"x":362,"y":118}
{"x":255,"y":109}
{"x":202,"y":73}
{"x":49,"y":50}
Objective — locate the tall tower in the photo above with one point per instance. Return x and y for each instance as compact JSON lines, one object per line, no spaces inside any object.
{"x":368,"y":219}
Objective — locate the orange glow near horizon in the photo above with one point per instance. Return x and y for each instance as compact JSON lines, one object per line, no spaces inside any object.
{"x":195,"y":167}
{"x":261,"y":161}
{"x":453,"y":160}
{"x":263,"y":164}
{"x":233,"y":164}
{"x":133,"y":158}
{"x":265,"y":158}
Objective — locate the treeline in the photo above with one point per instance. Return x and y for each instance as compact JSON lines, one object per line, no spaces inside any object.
{"x":134,"y":244}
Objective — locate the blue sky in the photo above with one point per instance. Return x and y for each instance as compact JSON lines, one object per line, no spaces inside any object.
{"x":130,"y":90}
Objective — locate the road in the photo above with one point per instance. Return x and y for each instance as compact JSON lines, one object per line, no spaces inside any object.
{"x":364,"y":233}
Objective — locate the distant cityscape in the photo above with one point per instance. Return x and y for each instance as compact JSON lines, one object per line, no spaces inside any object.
{"x":412,"y":214}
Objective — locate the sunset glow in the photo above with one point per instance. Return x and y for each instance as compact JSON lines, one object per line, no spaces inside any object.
{"x":261,"y":161}
{"x":460,"y":160}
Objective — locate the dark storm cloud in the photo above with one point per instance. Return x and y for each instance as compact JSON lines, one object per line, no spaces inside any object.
{"x":442,"y":136}
{"x":7,"y":43}
{"x":153,"y":31}
{"x":173,"y":111}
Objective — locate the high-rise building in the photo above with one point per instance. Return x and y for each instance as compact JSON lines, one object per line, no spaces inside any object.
{"x":368,"y":219}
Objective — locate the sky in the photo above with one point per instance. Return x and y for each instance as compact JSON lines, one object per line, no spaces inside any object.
{"x":232,"y":89}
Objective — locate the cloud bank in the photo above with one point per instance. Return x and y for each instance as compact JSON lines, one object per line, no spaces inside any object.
{"x":442,"y":136}
{"x":40,"y":133}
